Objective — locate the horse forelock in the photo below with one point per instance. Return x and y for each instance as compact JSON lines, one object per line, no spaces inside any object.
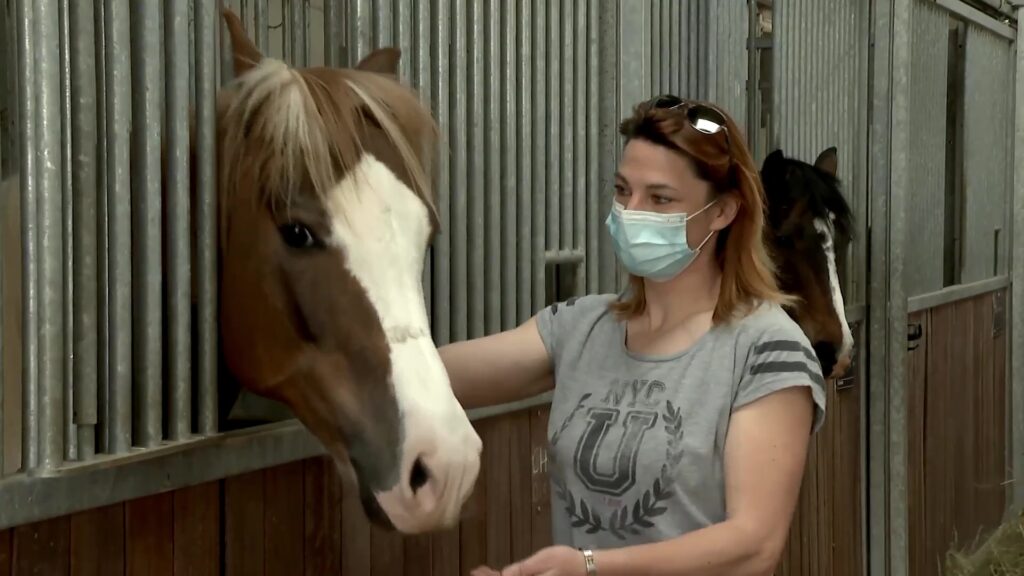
{"x":292,"y":129}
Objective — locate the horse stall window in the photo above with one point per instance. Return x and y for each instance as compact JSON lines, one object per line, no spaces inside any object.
{"x":759,"y":82}
{"x":563,"y":276}
{"x":954,"y":194}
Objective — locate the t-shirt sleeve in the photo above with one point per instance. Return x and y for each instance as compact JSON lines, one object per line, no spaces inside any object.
{"x":553,"y":322}
{"x":781,"y":357}
{"x":563,"y":326}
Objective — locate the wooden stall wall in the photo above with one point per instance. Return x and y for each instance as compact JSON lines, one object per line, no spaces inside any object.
{"x":298,"y":519}
{"x":956,"y":404}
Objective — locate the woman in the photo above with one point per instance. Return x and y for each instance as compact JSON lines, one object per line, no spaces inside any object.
{"x":682,"y":409}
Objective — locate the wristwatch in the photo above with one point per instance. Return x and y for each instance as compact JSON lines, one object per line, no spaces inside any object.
{"x":588,"y":557}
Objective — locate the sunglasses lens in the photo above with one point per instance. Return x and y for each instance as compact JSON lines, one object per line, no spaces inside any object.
{"x":705,"y":119}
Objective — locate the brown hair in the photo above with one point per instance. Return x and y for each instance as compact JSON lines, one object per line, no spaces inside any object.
{"x":748,"y":273}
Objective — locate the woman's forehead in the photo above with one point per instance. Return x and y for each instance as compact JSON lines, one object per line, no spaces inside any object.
{"x":646,"y":164}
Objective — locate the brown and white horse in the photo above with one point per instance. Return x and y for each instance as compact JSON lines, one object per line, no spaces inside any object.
{"x":809,"y":223}
{"x":326,"y":213}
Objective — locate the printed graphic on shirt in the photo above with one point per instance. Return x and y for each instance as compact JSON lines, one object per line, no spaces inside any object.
{"x":618,"y":429}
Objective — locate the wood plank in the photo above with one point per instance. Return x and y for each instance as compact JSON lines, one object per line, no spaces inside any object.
{"x":1000,"y":473}
{"x":963,"y":418}
{"x":541,"y":496}
{"x":388,"y":552}
{"x":916,"y":377}
{"x":521,"y":489}
{"x":323,"y":495}
{"x":416,"y":550}
{"x":6,"y":553}
{"x":243,"y":524}
{"x":473,"y":526}
{"x":197,"y":535}
{"x":42,"y":548}
{"x":283,"y":522}
{"x":498,"y":499}
{"x":97,"y":544}
{"x":939,"y":495}
{"x":355,"y":532}
{"x":149,"y":524}
{"x":825,"y":485}
{"x":444,"y":553}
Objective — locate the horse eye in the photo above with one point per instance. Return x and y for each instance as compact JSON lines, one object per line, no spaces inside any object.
{"x":298,"y":236}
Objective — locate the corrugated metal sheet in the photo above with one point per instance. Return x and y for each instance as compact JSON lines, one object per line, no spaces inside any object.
{"x":923,"y":245}
{"x":988,"y":93}
{"x":818,"y":96}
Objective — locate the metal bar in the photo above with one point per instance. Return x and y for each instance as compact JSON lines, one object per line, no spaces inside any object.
{"x":360,"y":28}
{"x":878,"y":493}
{"x":492,"y":263}
{"x":476,"y":237}
{"x":583,"y":131}
{"x":978,"y":17}
{"x":84,"y":178}
{"x":147,"y":228}
{"x":555,"y":108}
{"x":1016,"y":374}
{"x":564,"y":257}
{"x":261,"y":23}
{"x":538,"y":200}
{"x":525,"y":158}
{"x":608,"y":96}
{"x":70,"y":441}
{"x":296,"y":32}
{"x":956,"y":293}
{"x":460,"y":178}
{"x":30,"y":284}
{"x":406,"y":42}
{"x":50,"y":207}
{"x":655,"y":49}
{"x":119,"y":260}
{"x":509,"y":155}
{"x":593,"y":188}
{"x":442,"y":250}
{"x":567,"y":172}
{"x":333,"y":34}
{"x":206,"y":28}
{"x":103,"y":368}
{"x":420,"y":30}
{"x":179,"y":249}
{"x":383,"y":25}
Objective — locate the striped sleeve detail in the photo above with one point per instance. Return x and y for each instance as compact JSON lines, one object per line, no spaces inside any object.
{"x":779,"y":357}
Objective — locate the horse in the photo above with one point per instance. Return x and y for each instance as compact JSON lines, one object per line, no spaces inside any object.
{"x":324,"y":192}
{"x":809,"y":223}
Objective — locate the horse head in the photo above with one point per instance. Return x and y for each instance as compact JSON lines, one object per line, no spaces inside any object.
{"x":809,"y":224}
{"x":326,"y":212}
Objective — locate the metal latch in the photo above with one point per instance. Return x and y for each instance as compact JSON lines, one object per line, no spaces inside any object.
{"x":914,"y":334}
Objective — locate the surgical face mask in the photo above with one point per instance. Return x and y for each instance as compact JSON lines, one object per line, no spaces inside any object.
{"x":652,"y":245}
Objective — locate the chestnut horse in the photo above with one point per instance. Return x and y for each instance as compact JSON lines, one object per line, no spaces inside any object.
{"x":809,"y":223}
{"x":326,"y":214}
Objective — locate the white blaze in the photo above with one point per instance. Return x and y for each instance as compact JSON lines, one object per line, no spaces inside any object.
{"x":825,"y":228}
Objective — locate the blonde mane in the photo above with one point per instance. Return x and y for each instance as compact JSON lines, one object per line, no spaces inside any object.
{"x":297,"y":128}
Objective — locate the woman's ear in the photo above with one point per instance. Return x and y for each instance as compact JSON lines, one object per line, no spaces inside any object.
{"x":724,"y":211}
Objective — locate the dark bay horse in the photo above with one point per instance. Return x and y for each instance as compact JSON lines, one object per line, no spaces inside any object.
{"x":326,"y":214}
{"x":809,"y":223}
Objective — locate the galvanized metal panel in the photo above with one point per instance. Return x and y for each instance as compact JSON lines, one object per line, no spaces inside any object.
{"x":1016,"y":351}
{"x":505,"y":17}
{"x":474,"y":192}
{"x":524,"y":205}
{"x":988,"y":90}
{"x":923,"y":271}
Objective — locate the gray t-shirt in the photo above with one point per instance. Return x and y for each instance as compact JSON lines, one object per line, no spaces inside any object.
{"x":636,"y":442}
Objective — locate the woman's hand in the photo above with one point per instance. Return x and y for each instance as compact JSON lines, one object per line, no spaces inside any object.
{"x":550,"y":561}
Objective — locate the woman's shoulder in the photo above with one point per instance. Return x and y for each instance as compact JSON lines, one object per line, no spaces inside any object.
{"x":770,"y":321}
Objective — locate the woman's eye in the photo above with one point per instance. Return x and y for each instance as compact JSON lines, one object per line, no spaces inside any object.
{"x":620,"y":191}
{"x":660,"y":199}
{"x":298,"y":235}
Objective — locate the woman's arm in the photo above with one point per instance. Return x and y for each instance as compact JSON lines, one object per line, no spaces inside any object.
{"x":504,"y":367}
{"x":763,"y":472}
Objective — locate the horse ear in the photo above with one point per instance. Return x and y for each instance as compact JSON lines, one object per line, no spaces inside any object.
{"x":382,"y":60}
{"x":828,"y":161}
{"x":775,"y":157}
{"x":246,"y":55}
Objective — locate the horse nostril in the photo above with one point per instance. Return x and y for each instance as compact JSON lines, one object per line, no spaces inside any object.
{"x":418,"y":476}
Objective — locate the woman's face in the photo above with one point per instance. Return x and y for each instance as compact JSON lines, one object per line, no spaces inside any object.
{"x":652,"y":178}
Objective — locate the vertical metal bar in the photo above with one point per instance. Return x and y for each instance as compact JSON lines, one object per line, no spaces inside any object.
{"x":118,"y":93}
{"x":507,"y":57}
{"x":568,"y":162}
{"x":332,"y":33}
{"x":296,"y":31}
{"x":70,"y":440}
{"x":405,"y":41}
{"x":1016,"y":374}
{"x":554,"y":125}
{"x":460,"y":180}
{"x":84,"y":179}
{"x":418,"y":28}
{"x":593,"y":189}
{"x":261,"y":23}
{"x":30,"y":296}
{"x":179,"y":287}
{"x":441,"y":289}
{"x":206,"y":26}
{"x":584,"y":131}
{"x":382,"y":23}
{"x":492,"y":194}
{"x":655,"y":48}
{"x":525,"y":157}
{"x":360,"y":26}
{"x":476,"y":145}
{"x":608,"y":87}
{"x":48,"y":152}
{"x":104,"y":368}
{"x":147,"y":221}
{"x":540,"y":152}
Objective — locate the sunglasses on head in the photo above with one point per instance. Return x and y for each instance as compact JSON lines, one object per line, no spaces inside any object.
{"x":702,"y":118}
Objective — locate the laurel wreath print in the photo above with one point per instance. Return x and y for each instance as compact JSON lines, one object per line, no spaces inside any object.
{"x":630,"y":519}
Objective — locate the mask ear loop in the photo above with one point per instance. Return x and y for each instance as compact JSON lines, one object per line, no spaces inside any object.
{"x":711,"y":233}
